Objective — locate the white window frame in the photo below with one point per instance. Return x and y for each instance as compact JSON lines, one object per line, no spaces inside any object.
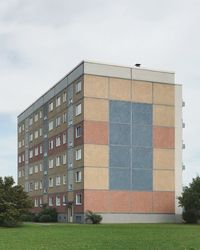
{"x":78,"y":154}
{"x":51,"y":163}
{"x":58,"y":101}
{"x":58,"y":200}
{"x":36,"y":135}
{"x":50,"y":201}
{"x":64,"y":159}
{"x":36,"y":117}
{"x":30,"y":121}
{"x":78,"y":199}
{"x":51,"y":144}
{"x":41,"y":149}
{"x":78,"y":131}
{"x":64,"y":179}
{"x":36,"y":169}
{"x":78,"y":87}
{"x":64,"y":138}
{"x":36,"y":204}
{"x":36,"y":151}
{"x":78,"y":176}
{"x":58,"y":121}
{"x":41,"y":167}
{"x":36,"y":185}
{"x":50,"y":125}
{"x":78,"y":109}
{"x":50,"y":182}
{"x":58,"y":161}
{"x":58,"y":180}
{"x":51,"y":106}
{"x":58,"y":141}
{"x":64,"y":96}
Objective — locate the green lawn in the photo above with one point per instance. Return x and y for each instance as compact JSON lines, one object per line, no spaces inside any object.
{"x":124,"y":236}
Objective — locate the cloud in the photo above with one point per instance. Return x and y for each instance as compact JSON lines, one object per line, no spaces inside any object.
{"x":41,"y":41}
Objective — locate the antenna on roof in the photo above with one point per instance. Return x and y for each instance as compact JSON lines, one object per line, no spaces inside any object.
{"x":137,"y":65}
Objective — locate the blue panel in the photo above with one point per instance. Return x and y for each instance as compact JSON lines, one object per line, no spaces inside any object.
{"x":142,"y":158}
{"x":120,"y":112}
{"x":120,"y":134}
{"x":120,"y":179}
{"x":120,"y":156}
{"x":142,"y":113}
{"x":141,"y":179}
{"x":142,"y":136}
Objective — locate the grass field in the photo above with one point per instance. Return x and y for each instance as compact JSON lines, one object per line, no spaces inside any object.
{"x":125,"y":236}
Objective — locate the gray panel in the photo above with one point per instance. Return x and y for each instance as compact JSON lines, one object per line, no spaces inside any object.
{"x":120,"y":134}
{"x":142,"y":158}
{"x":70,"y":136}
{"x":45,"y":164}
{"x":141,"y":180}
{"x":70,"y":158}
{"x":142,"y":114}
{"x":120,"y":156}
{"x":38,"y":103}
{"x":107,"y":70}
{"x":120,"y":112}
{"x":76,"y":73}
{"x":70,"y":94}
{"x":70,"y":115}
{"x":60,"y":86}
{"x":142,"y":136}
{"x":46,"y":145}
{"x":70,"y":178}
{"x":120,"y":179}
{"x":49,"y":95}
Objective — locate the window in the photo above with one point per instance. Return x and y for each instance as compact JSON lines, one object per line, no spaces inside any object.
{"x":64,"y":179}
{"x":23,"y":127}
{"x":50,"y":125}
{"x":36,"y":185}
{"x":41,"y":149}
{"x":41,"y":167}
{"x":36,"y":202}
{"x":58,"y":121}
{"x":30,"y":170}
{"x":20,"y":174}
{"x":78,"y":109}
{"x":31,"y":137}
{"x":36,"y":134}
{"x":50,"y":106}
{"x":36,"y":168}
{"x":64,"y":199}
{"x":51,"y":163}
{"x":36,"y":117}
{"x":57,"y":180}
{"x":78,"y":199}
{"x":40,"y":202}
{"x":30,"y":121}
{"x":58,"y":141}
{"x":78,"y":176}
{"x":78,"y":131}
{"x":58,"y":101}
{"x":78,"y":87}
{"x":40,"y":131}
{"x":30,"y":186}
{"x":31,"y":154}
{"x":23,"y":142}
{"x":50,"y":201}
{"x":20,"y":159}
{"x":40,"y":114}
{"x":65,"y":117}
{"x":58,"y":161}
{"x":64,"y":138}
{"x":50,"y":182}
{"x":20,"y":129}
{"x":57,"y":200}
{"x":51,"y":144}
{"x":64,"y":160}
{"x":36,"y":151}
{"x":70,"y":187}
{"x":40,"y":184}
{"x":64,"y":97}
{"x":20,"y":144}
{"x":78,"y":154}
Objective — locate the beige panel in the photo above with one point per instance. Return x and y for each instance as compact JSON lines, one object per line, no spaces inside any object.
{"x":163,"y":180}
{"x":142,"y":92}
{"x":120,"y":89}
{"x":96,"y":178}
{"x":163,"y":158}
{"x":163,"y":115}
{"x":95,"y":86}
{"x":95,"y":155}
{"x":163,"y":94}
{"x":95,"y":109}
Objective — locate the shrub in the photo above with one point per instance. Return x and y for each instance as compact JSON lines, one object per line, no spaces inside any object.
{"x":51,"y":212}
{"x":93,"y":217}
{"x":27,"y":217}
{"x":190,"y":216}
{"x":45,"y":218}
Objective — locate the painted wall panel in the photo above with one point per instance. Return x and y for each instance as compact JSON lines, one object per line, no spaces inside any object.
{"x":95,"y":155}
{"x":142,"y":179}
{"x":95,"y":86}
{"x":163,"y":159}
{"x":95,"y":178}
{"x":163,"y":137}
{"x":95,"y":109}
{"x":142,"y":136}
{"x":120,"y":179}
{"x":142,"y":158}
{"x":120,"y":156}
{"x":120,"y":89}
{"x":142,"y":114}
{"x":163,"y":202}
{"x":142,"y":92}
{"x":120,"y":134}
{"x":163,"y":115}
{"x":163,"y":94}
{"x":120,"y":112}
{"x":163,"y":180}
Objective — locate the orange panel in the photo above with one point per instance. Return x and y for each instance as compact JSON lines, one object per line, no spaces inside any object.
{"x":163,"y":137}
{"x":141,"y":202}
{"x":163,"y":202}
{"x":120,"y":201}
{"x":95,"y":132}
{"x":97,"y":201}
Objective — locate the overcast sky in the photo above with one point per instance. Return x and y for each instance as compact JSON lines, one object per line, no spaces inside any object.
{"x":42,"y":40}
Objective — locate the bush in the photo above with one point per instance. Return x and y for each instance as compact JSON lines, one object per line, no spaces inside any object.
{"x":190,"y":216}
{"x":27,"y":217}
{"x":45,"y":218}
{"x":51,"y":212}
{"x":93,"y":217}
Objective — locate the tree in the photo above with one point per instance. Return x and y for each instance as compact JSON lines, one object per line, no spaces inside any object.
{"x":190,"y":201}
{"x":13,"y":202}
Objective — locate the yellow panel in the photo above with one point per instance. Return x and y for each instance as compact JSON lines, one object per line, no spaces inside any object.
{"x":163,"y":115}
{"x":142,"y":92}
{"x":95,"y":155}
{"x":95,"y":109}
{"x":95,"y":86}
{"x":120,"y":89}
{"x":163,"y":93}
{"x":163,"y":159}
{"x":163,"y":180}
{"x":95,"y":178}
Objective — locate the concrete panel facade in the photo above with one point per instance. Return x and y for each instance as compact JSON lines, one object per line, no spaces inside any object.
{"x":142,"y":92}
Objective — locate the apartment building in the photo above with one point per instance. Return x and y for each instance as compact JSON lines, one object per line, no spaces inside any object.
{"x":105,"y":138}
